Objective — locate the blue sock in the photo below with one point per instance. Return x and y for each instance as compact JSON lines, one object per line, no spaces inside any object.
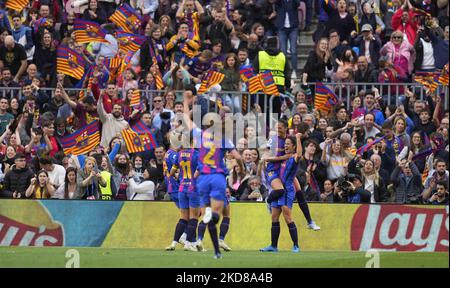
{"x":191,"y":230}
{"x":201,"y":230}
{"x":275,"y":233}
{"x":224,"y":227}
{"x":179,"y":229}
{"x":213,"y":233}
{"x":294,"y":233}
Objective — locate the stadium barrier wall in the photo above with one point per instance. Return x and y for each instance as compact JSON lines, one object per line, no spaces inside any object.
{"x":140,"y":224}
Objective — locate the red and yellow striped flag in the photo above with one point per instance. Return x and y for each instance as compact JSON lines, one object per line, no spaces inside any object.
{"x":425,"y":173}
{"x":87,"y":31}
{"x":82,"y":140}
{"x":126,"y":18}
{"x":135,"y":142}
{"x":17,"y":5}
{"x":129,"y":42}
{"x":443,"y":78}
{"x":325,"y":99}
{"x":255,"y":84}
{"x":212,"y":78}
{"x":69,"y":62}
{"x":157,"y":75}
{"x":135,"y":101}
{"x":429,"y":80}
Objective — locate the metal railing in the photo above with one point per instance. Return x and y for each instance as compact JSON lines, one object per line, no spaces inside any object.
{"x":242,"y":102}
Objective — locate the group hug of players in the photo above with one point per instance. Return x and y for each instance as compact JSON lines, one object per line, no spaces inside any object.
{"x":200,"y":187}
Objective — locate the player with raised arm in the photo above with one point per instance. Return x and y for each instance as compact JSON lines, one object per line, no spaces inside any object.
{"x":288,"y":171}
{"x":211,"y":182}
{"x":276,"y":147}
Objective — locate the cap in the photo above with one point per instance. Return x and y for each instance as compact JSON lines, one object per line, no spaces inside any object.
{"x":353,"y":176}
{"x":366,"y":27}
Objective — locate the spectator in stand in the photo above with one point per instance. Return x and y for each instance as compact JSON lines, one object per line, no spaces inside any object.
{"x":113,"y":123}
{"x":94,"y":13}
{"x":254,"y":190}
{"x":407,"y":182}
{"x":70,"y":189}
{"x":318,"y":61}
{"x":401,"y":54}
{"x":23,"y":35}
{"x":404,"y":21}
{"x":368,"y":44}
{"x":437,"y":194}
{"x":40,"y":187}
{"x":219,"y":30}
{"x":17,"y":179}
{"x":340,"y":20}
{"x":7,"y":81}
{"x":13,"y":56}
{"x":288,"y":26}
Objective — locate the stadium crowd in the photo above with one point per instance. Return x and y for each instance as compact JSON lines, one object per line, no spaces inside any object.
{"x":358,"y":44}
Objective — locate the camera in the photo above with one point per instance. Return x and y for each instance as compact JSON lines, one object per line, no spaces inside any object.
{"x":345,"y":185}
{"x":165,"y":115}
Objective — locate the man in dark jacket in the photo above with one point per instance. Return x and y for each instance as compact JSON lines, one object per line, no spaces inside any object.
{"x":367,"y":39}
{"x":366,"y":73}
{"x":17,"y":179}
{"x":407,"y":182}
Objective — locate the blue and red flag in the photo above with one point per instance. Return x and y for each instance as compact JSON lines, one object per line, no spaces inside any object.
{"x":82,"y":140}
{"x":69,"y":62}
{"x":363,"y":149}
{"x":88,"y":31}
{"x":126,"y":18}
{"x":129,"y":42}
{"x":325,"y":99}
{"x":246,"y":72}
{"x":268,"y":83}
{"x":141,"y":128}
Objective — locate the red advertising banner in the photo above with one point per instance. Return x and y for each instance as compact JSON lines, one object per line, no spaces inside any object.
{"x":400,"y":228}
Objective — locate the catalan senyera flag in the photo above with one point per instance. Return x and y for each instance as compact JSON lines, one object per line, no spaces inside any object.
{"x":135,"y":142}
{"x":69,"y":62}
{"x":88,"y":31}
{"x":141,"y":128}
{"x":443,"y":78}
{"x":158,"y":77}
{"x":136,"y":99}
{"x":425,"y":174}
{"x":82,"y":140}
{"x":428,"y":79}
{"x":17,"y":5}
{"x":212,"y":78}
{"x":325,"y":98}
{"x":269,"y":86}
{"x":129,"y":42}
{"x":255,"y":84}
{"x":126,"y":18}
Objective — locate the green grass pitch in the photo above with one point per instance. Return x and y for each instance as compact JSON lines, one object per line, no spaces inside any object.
{"x":15,"y":257}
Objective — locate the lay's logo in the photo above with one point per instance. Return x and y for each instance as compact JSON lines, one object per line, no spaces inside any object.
{"x":35,"y":228}
{"x":399,"y":228}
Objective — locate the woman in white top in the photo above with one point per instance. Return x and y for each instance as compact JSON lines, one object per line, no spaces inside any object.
{"x":143,"y":190}
{"x":68,"y":190}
